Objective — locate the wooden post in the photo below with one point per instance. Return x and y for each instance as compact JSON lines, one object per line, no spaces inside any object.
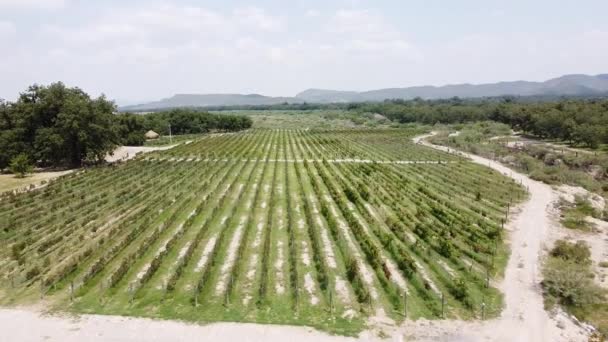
{"x":130,"y":293}
{"x":442,"y":305}
{"x":487,"y":277}
{"x":483,"y":311}
{"x":331,"y":304}
{"x":72,"y":291}
{"x":297,"y":298}
{"x":101,"y":292}
{"x":405,"y":304}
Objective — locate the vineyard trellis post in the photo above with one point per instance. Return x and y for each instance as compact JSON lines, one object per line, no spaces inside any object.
{"x":197,"y":290}
{"x":101,"y":292}
{"x":442,"y":305}
{"x":487,"y":277}
{"x":331,"y":304}
{"x":405,"y":304}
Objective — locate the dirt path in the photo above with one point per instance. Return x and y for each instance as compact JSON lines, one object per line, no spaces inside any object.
{"x":28,"y":326}
{"x":10,"y":182}
{"x":129,"y":152}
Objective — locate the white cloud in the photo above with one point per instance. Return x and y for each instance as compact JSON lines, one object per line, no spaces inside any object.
{"x":32,"y":4}
{"x":258,"y":18}
{"x":7,"y":29}
{"x":313,"y":13}
{"x":361,"y":22}
{"x":276,"y":54}
{"x":367,"y":31}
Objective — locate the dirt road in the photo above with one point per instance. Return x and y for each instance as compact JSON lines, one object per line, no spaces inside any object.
{"x":129,"y":152}
{"x":28,"y":326}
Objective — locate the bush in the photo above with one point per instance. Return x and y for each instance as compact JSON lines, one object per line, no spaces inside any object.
{"x":571,"y":284}
{"x":32,"y":273}
{"x":20,"y":165}
{"x":577,"y":253}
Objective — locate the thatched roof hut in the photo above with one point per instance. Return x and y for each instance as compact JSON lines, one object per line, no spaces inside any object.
{"x":152,"y":135}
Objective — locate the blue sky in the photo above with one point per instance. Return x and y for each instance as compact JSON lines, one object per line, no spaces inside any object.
{"x":136,"y":51}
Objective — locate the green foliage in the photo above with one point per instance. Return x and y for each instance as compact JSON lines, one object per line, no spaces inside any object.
{"x":579,"y":121}
{"x":20,"y":165}
{"x":445,"y":248}
{"x":460,"y":291}
{"x":132,"y":127}
{"x":56,"y":125}
{"x":571,"y":283}
{"x":578,"y":252}
{"x":568,"y":280}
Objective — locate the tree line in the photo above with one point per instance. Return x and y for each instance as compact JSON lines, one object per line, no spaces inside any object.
{"x":176,"y":121}
{"x":55,"y":125}
{"x":579,"y":121}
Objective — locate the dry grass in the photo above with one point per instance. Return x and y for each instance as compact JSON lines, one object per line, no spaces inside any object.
{"x":10,"y":182}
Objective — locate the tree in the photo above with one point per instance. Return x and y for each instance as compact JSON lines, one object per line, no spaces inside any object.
{"x":130,"y":129}
{"x":589,"y":135}
{"x":55,"y":125}
{"x":20,"y":165}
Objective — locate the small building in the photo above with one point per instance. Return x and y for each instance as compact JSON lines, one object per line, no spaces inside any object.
{"x":151,"y":135}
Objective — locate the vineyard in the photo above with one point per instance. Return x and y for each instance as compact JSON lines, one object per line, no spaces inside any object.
{"x":324,"y":228}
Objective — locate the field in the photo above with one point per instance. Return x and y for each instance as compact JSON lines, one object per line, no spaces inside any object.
{"x":309,"y":227}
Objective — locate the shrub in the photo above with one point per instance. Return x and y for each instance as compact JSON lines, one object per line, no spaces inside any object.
{"x":445,"y":248}
{"x":34,"y":271}
{"x":20,"y":165}
{"x":460,"y":291}
{"x":577,"y":253}
{"x":570,"y":284}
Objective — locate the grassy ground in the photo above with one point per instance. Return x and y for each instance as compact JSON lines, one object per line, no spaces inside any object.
{"x":311,"y":119}
{"x":10,"y":182}
{"x":568,"y":281}
{"x":542,"y":161}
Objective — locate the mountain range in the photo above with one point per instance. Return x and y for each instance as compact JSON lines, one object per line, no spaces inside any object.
{"x":568,"y":85}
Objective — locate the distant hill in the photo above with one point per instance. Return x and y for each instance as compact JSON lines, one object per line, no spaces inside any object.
{"x":568,"y":85}
{"x":208,"y":100}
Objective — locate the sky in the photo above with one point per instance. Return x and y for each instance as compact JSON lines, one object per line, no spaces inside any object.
{"x":138,"y":51}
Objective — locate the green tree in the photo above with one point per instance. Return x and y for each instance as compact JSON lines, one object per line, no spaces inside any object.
{"x":56,"y":125}
{"x":589,"y":135}
{"x":20,"y":165}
